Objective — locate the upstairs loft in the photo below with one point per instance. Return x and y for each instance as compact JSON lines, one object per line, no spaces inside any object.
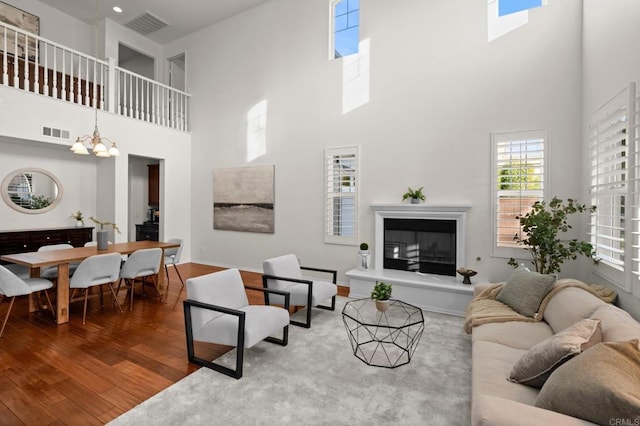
{"x":34,"y":64}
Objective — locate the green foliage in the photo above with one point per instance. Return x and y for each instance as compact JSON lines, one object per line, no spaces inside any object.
{"x":515,"y":177}
{"x":78,"y":216}
{"x":103,"y":224}
{"x":381,"y":291}
{"x":364,"y":246}
{"x":540,"y":231}
{"x":414,"y":193}
{"x":39,"y":202}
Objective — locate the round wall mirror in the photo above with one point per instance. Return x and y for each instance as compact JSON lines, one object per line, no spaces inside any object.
{"x":31,"y":190}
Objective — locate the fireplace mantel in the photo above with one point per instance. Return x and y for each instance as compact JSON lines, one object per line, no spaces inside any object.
{"x":438,"y":293}
{"x":457,"y":212}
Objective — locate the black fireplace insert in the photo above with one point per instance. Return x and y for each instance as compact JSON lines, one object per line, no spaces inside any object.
{"x":420,"y":245}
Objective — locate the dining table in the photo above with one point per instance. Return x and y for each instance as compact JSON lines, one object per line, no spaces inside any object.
{"x":63,"y":257}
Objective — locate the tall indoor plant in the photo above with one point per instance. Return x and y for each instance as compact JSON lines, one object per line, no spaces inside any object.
{"x":540,"y":228}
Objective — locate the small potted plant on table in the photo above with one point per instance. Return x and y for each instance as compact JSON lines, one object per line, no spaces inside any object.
{"x":78,"y":217}
{"x":381,"y":294}
{"x":364,"y":257}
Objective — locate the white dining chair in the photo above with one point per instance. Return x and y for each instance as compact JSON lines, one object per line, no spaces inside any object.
{"x":51,"y":272}
{"x":172,"y":257}
{"x":96,"y":270}
{"x":12,"y":286}
{"x":141,"y":264}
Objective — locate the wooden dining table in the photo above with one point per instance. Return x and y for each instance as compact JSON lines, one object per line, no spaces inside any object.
{"x":63,"y":257}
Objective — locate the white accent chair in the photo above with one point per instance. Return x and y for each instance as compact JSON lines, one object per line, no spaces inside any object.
{"x":140,"y":264}
{"x":284,"y":273}
{"x":217,"y":311}
{"x":95,"y":271}
{"x":12,"y":286}
{"x":172,"y":257}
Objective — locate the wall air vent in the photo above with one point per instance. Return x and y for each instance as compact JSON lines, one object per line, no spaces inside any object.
{"x":55,"y":133}
{"x":146,"y":23}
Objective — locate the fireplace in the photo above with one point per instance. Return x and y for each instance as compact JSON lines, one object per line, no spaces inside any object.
{"x":423,"y":239}
{"x":420,"y":245}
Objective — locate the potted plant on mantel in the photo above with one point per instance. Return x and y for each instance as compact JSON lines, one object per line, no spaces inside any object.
{"x":415,"y":195}
{"x":381,"y":294}
{"x":540,"y":229}
{"x":102,"y":236}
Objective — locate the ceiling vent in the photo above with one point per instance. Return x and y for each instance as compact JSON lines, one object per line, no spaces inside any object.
{"x":146,"y":23}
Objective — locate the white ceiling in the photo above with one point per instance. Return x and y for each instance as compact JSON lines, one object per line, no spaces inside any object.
{"x":183,"y":16}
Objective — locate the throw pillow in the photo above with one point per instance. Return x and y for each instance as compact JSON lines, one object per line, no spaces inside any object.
{"x":535,"y":367}
{"x":524,"y":291}
{"x":602,"y":385}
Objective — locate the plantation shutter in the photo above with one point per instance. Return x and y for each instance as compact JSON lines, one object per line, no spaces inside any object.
{"x":519,"y":180}
{"x":341,"y":203}
{"x":610,"y":191}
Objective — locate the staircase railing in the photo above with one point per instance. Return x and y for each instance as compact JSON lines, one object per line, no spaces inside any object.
{"x":51,"y":69}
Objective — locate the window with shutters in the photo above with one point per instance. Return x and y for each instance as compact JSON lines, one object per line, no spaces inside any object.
{"x":519,"y":180}
{"x":341,"y":186}
{"x":613,"y":148}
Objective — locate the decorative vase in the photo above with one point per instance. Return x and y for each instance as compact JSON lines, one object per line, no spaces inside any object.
{"x":382,"y":305}
{"x":415,"y":201}
{"x":79,"y":224}
{"x":103,"y":239}
{"x":363,"y":259}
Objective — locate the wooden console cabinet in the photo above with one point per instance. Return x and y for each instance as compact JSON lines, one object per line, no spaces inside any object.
{"x":27,"y":240}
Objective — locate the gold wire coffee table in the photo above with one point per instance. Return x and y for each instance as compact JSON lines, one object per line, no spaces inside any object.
{"x":383,"y":339}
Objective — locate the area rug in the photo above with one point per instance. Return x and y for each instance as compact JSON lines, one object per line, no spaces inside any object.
{"x":317,"y":380}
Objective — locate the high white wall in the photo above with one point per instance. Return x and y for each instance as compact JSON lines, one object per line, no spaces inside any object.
{"x":78,"y":180}
{"x":96,"y":186}
{"x":438,"y":89}
{"x":611,"y":60}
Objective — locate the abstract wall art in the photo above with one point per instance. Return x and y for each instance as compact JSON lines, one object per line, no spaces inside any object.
{"x":243,"y":199}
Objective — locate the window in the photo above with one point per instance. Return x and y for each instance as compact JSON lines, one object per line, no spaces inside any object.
{"x":341,"y":186}
{"x":519,"y":180}
{"x":345,"y":28}
{"x":613,"y":148}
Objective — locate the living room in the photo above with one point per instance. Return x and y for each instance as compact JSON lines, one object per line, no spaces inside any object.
{"x":438,"y":90}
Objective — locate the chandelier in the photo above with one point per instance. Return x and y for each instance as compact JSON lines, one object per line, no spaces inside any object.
{"x":98,"y":147}
{"x":97,"y":142}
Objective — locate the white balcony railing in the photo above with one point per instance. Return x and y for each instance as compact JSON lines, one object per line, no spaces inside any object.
{"x":50,"y":69}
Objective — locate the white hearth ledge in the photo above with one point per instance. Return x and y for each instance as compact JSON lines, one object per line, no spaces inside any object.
{"x":436,"y":293}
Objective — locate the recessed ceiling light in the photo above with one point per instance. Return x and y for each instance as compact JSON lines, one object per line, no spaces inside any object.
{"x":117,"y":9}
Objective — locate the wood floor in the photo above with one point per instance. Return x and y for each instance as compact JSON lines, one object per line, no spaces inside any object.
{"x":88,"y":374}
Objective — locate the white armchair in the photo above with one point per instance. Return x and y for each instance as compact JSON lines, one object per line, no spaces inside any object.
{"x":284,"y":273}
{"x":217,"y":311}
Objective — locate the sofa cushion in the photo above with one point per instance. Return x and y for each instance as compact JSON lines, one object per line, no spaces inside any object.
{"x":617,"y":325}
{"x":524,"y":291}
{"x":540,"y":361}
{"x":494,"y":411}
{"x":491,"y":364}
{"x":515,"y":334}
{"x":600,"y":385}
{"x":569,"y":306}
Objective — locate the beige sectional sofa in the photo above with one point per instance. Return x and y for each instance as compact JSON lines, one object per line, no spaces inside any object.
{"x":498,"y":346}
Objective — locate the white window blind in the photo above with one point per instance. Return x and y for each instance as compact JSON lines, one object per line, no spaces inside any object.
{"x":341,"y":189}
{"x":614,"y":189}
{"x":519,"y":180}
